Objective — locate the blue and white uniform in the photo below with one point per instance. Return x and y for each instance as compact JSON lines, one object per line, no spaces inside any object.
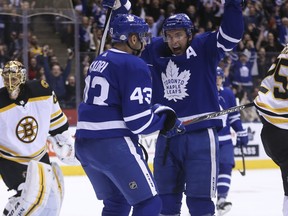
{"x":226,"y":148}
{"x":116,"y":108}
{"x":187,"y":83}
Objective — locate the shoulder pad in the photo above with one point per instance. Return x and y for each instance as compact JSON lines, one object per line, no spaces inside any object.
{"x":38,"y":88}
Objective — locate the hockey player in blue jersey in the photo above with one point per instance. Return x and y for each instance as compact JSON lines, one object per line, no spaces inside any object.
{"x":226,"y":148}
{"x":117,"y":108}
{"x":183,"y":72}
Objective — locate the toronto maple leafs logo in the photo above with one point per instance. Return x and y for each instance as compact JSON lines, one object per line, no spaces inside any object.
{"x":175,"y":82}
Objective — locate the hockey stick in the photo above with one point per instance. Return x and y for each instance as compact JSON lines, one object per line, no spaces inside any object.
{"x":242,"y":172}
{"x":105,"y":32}
{"x":216,"y":114}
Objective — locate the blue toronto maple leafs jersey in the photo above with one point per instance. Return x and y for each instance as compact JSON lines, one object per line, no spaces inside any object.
{"x":187,"y":83}
{"x":226,"y":100}
{"x":117,"y":98}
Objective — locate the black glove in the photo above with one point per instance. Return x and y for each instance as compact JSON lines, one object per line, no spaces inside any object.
{"x":172,"y":125}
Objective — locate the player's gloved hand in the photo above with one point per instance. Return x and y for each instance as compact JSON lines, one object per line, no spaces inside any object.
{"x":242,"y":3}
{"x":178,"y":128}
{"x":63,"y":145}
{"x":172,"y":125}
{"x":115,"y":4}
{"x":242,"y":138}
{"x":108,"y":3}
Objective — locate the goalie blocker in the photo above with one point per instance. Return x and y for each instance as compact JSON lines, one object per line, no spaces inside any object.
{"x":41,"y":193}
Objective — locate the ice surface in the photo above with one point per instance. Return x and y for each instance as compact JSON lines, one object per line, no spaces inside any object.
{"x":259,"y":193}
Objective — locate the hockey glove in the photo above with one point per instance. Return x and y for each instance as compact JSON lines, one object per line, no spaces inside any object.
{"x":242,"y":138}
{"x":172,"y":125}
{"x":116,"y":4}
{"x":242,"y":3}
{"x":63,"y":145}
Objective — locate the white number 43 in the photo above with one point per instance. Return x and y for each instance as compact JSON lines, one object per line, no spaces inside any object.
{"x":137,"y":94}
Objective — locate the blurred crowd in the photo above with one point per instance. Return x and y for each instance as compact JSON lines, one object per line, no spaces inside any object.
{"x":266,"y":32}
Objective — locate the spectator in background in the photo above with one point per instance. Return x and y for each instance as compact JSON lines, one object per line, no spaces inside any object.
{"x":84,"y":34}
{"x":70,"y":100}
{"x":282,"y":27}
{"x":14,"y":48}
{"x":34,"y":47}
{"x":4,"y":57}
{"x":55,"y":77}
{"x":242,"y":73}
{"x":270,"y":43}
{"x":33,"y":69}
{"x":153,"y":9}
{"x":263,"y":63}
{"x":138,"y":8}
{"x":155,"y":27}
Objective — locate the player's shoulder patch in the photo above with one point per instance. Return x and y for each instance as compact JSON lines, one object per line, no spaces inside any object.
{"x":44,"y":84}
{"x":39,"y":88}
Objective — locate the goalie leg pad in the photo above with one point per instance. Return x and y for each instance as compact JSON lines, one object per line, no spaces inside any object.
{"x":35,"y":191}
{"x":55,"y":200}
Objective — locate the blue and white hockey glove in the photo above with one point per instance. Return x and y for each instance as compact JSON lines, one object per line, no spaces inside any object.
{"x":242,"y":138}
{"x":116,"y":4}
{"x":242,"y":3}
{"x":172,"y":125}
{"x":108,"y":3}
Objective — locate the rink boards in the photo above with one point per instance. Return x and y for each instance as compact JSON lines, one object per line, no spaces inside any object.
{"x":255,"y":156}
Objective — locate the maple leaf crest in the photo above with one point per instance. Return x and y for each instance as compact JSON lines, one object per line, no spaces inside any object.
{"x":175,"y":82}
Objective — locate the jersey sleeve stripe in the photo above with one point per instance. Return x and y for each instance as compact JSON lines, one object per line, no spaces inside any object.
{"x":226,"y":37}
{"x":144,"y":126}
{"x":137,"y":116}
{"x":222,"y":47}
{"x":101,"y":125}
{"x":56,"y":124}
{"x":56,"y":114}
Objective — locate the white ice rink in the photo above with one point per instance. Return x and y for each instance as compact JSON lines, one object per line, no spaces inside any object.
{"x":259,"y":193}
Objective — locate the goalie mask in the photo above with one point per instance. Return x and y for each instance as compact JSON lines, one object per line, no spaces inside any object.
{"x":14,"y":75}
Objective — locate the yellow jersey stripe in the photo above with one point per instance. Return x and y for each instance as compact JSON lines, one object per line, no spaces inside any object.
{"x":39,"y":98}
{"x":11,"y":106}
{"x":14,"y":154}
{"x":59,"y":121}
{"x":275,"y":110}
{"x":56,"y":113}
{"x":274,"y":120}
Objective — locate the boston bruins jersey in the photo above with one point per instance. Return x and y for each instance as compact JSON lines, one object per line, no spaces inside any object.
{"x":26,"y":122}
{"x":272,"y":98}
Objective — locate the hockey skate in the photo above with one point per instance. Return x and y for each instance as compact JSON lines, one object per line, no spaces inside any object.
{"x":223,"y":207}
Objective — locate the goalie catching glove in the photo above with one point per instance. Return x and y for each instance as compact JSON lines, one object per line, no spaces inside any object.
{"x":172,"y":125}
{"x":63,"y":145}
